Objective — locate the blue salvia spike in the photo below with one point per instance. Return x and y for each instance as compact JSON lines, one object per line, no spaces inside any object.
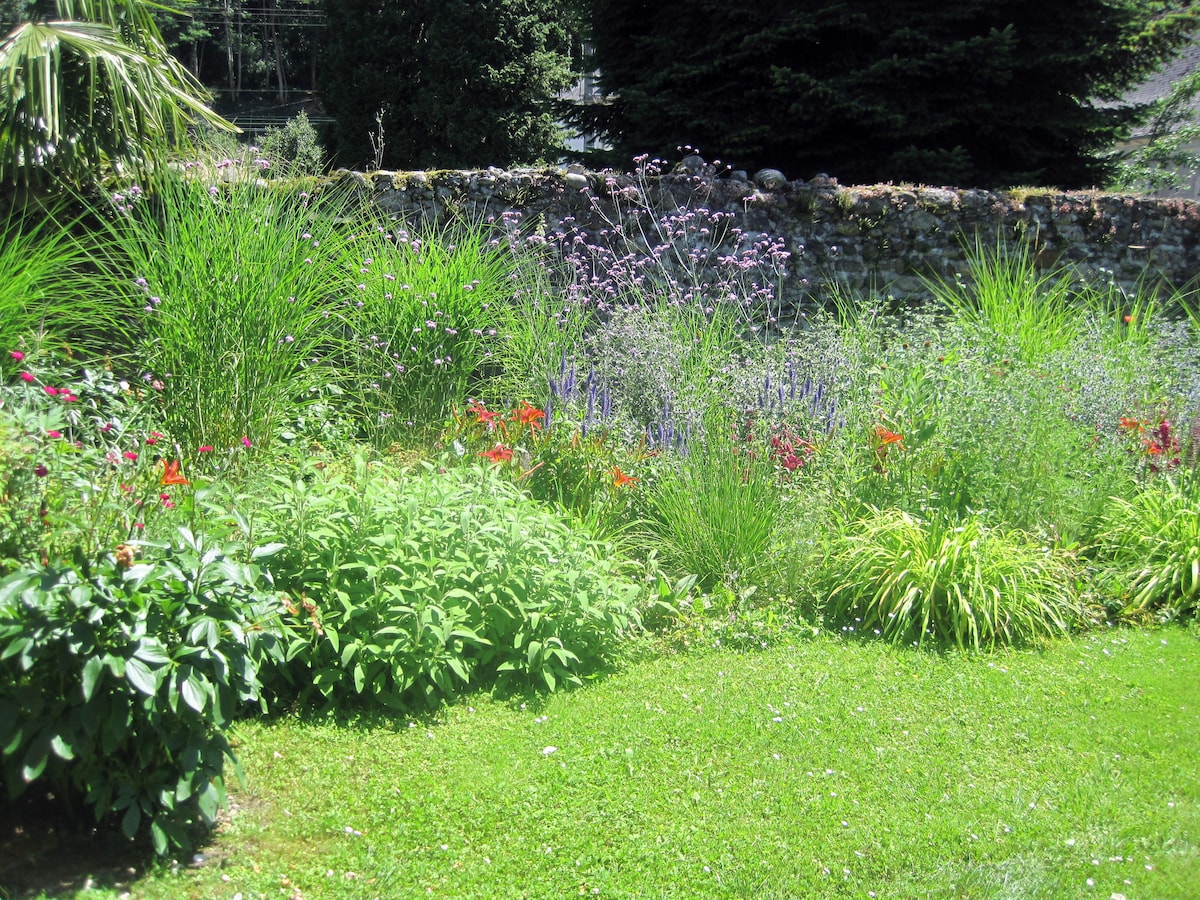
{"x":562,"y":369}
{"x":804,"y":391}
{"x":554,"y":389}
{"x":549,"y":411}
{"x":570,"y":385}
{"x":605,"y":404}
{"x":792,"y":382}
{"x":761,"y":401}
{"x":583,"y":429}
{"x":767,"y":384}
{"x":591,"y":399}
{"x":781,"y":401}
{"x":820,"y":392}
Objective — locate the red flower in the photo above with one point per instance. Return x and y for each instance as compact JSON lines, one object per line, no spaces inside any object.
{"x":171,"y":473}
{"x":888,"y":437}
{"x":498,"y":454}
{"x":16,"y":354}
{"x":529,"y":415}
{"x":27,"y":376}
{"x":206,"y":448}
{"x":620,"y":478}
{"x":483,"y":416}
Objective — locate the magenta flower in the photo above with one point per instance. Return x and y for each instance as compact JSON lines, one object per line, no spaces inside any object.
{"x":16,"y":354}
{"x":53,"y":434}
{"x":52,"y":391}
{"x":246,"y":442}
{"x":27,"y":376}
{"x":41,"y":471}
{"x":130,"y":455}
{"x":205,"y":448}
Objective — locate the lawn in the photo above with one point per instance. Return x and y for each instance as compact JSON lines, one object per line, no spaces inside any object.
{"x":816,"y":767}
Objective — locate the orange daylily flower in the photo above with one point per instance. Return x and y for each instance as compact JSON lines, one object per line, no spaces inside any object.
{"x":171,"y":474}
{"x":529,"y":415}
{"x":483,"y":416}
{"x":884,"y":436}
{"x":620,"y":478}
{"x":498,"y":454}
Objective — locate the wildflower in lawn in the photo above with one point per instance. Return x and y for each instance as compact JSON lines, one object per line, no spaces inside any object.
{"x":130,"y":455}
{"x":204,"y":448}
{"x":528,"y":414}
{"x":16,"y":354}
{"x":171,"y":474}
{"x":27,"y":376}
{"x":246,"y":442}
{"x":620,"y":478}
{"x":498,"y":454}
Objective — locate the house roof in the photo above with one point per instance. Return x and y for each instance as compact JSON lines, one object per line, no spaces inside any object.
{"x":1159,"y":85}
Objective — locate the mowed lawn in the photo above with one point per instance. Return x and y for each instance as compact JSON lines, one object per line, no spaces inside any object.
{"x":816,"y":768}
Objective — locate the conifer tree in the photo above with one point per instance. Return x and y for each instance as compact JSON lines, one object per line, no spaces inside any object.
{"x":973,"y":93}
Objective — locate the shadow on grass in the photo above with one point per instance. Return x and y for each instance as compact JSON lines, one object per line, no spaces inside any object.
{"x":51,"y":849}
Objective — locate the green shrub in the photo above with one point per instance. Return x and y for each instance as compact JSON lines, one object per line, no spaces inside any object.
{"x":294,"y":149}
{"x":81,"y":466}
{"x":412,"y":587}
{"x":117,"y":677}
{"x":911,"y":580}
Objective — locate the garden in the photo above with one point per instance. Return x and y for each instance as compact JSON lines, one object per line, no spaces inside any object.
{"x":345,"y":556}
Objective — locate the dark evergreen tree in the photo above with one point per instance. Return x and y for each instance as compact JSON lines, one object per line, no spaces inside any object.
{"x":973,"y":92}
{"x":460,"y":82}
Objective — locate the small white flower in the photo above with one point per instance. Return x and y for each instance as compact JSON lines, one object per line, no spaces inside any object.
{"x":546,"y":751}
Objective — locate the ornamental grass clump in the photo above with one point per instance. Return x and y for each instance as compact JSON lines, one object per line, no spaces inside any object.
{"x":1149,"y":543}
{"x":423,"y":312}
{"x":961,"y":583}
{"x":238,"y":302}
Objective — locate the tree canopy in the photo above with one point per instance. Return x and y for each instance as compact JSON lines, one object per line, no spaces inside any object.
{"x":458,"y":83}
{"x":975,"y":92}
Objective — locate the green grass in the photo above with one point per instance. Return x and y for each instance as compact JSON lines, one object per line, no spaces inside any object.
{"x":823,"y":768}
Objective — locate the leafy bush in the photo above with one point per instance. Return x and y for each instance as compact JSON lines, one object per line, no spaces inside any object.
{"x":81,"y":467}
{"x":911,"y":580}
{"x":413,"y":587}
{"x":294,"y":149}
{"x":117,"y":677}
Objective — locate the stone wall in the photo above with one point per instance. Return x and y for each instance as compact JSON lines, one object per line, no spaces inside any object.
{"x":882,"y":238}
